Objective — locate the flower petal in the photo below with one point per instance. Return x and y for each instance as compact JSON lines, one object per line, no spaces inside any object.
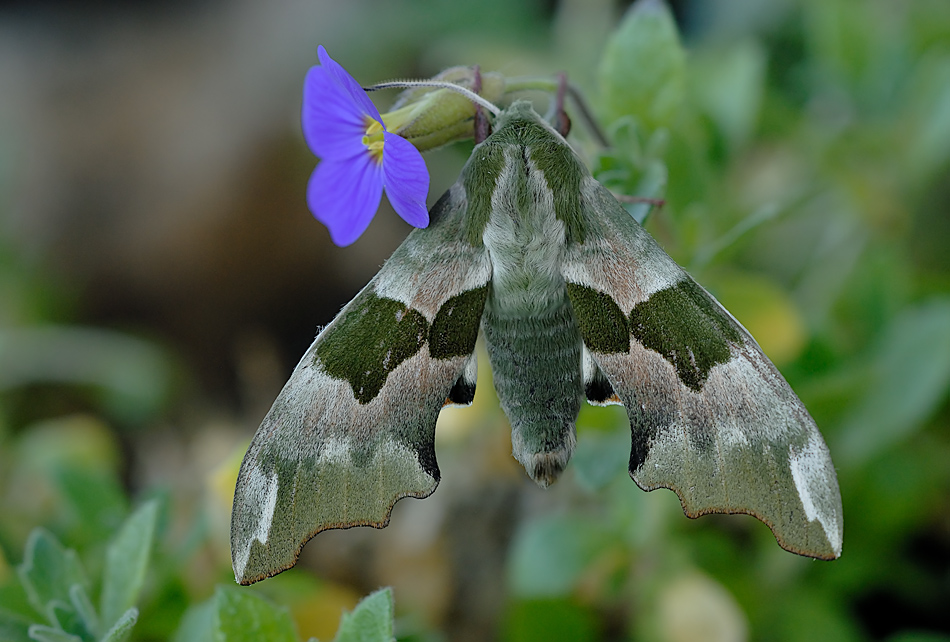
{"x":406,"y":180}
{"x":344,"y":196}
{"x":333,"y":124}
{"x":348,"y":83}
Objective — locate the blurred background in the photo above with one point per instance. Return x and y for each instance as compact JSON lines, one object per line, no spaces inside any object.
{"x":160,"y":276}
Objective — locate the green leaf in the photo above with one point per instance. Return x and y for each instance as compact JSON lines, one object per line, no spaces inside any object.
{"x":910,"y":375}
{"x":84,"y":609}
{"x":13,"y":627}
{"x":48,"y":572}
{"x":197,"y":624}
{"x":601,"y":456}
{"x":642,"y":71}
{"x":243,"y":616}
{"x":549,"y":620}
{"x":728,"y":86}
{"x":126,"y":563}
{"x":96,"y":498}
{"x":63,"y":617}
{"x":123,"y":627}
{"x":370,"y":621}
{"x":42,"y":633}
{"x":549,"y":555}
{"x":236,"y":615}
{"x":633,"y":164}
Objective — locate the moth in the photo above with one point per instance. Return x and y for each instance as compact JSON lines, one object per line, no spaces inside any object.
{"x":575,"y":300}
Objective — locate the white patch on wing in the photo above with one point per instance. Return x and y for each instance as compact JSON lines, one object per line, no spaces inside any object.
{"x":432,"y":266}
{"x":623,"y":259}
{"x":264,"y":491}
{"x":588,"y":365}
{"x":732,"y":436}
{"x":334,"y":451}
{"x":663,"y":273}
{"x":808,"y":471}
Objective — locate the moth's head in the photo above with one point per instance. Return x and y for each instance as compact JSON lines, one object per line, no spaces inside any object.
{"x":520,"y":124}
{"x":519,"y":114}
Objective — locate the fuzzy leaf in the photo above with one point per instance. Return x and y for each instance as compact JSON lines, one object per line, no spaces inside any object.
{"x":370,"y":621}
{"x":243,"y":616}
{"x":642,"y":71}
{"x":126,"y":563}
{"x":83,"y":608}
{"x":123,"y":627}
{"x":42,"y":633}
{"x":49,"y":571}
{"x":910,"y":378}
{"x":236,"y":615}
{"x":13,"y":627}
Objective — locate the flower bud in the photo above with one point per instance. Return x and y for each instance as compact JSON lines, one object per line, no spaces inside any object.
{"x":431,"y":117}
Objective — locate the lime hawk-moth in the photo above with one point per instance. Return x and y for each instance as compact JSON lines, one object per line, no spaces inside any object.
{"x":575,"y":300}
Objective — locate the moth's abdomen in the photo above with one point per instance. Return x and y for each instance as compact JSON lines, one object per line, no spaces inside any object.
{"x":536,"y":366}
{"x":534,"y":343}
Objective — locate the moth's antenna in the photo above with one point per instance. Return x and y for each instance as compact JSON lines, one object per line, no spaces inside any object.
{"x":586,"y":115}
{"x":438,"y":84}
{"x":546,"y":86}
{"x":624,"y":198}
{"x":482,"y":126}
{"x":562,"y":122}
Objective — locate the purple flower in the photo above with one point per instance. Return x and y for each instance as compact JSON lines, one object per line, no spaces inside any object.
{"x":358,"y":157}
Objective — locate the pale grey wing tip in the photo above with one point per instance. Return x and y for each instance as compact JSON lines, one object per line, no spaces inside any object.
{"x":818,"y":536}
{"x":253,"y":560}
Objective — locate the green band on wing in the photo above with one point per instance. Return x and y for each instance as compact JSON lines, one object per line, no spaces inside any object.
{"x":555,"y":160}
{"x":455,"y":327}
{"x":602,"y":323}
{"x":369,"y":341}
{"x":686,"y":326}
{"x":480,"y":178}
{"x":560,"y":168}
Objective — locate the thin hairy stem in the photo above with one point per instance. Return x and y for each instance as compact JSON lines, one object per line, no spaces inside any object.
{"x":438,"y":84}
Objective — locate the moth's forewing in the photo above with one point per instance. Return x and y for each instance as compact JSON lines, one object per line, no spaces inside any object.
{"x":711,"y":417}
{"x":352,"y":431}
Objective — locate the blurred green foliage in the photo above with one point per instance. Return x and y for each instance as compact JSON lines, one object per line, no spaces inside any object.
{"x":56,"y":589}
{"x":803,"y":151}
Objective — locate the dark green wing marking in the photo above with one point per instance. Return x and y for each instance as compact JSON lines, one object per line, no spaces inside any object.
{"x":369,"y":341}
{"x":686,"y":326}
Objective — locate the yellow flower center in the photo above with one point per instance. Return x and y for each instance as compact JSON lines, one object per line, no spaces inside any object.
{"x":374,"y":139}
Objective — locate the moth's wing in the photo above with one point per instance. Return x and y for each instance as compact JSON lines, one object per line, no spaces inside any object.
{"x":353,"y":429}
{"x":711,"y":417}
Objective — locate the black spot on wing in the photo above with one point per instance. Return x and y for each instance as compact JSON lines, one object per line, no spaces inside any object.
{"x":462,"y":393}
{"x":599,"y":391}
